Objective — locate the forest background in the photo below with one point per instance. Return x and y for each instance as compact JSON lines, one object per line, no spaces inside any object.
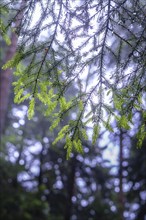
{"x":92,"y":78}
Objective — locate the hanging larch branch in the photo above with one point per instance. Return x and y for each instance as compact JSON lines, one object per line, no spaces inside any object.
{"x":97,"y":46}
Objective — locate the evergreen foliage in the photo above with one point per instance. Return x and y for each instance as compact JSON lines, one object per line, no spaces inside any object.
{"x":99,"y":46}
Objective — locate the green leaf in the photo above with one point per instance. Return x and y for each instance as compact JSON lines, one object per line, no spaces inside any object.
{"x":2,"y":27}
{"x":95,"y":134}
{"x":78,"y":146}
{"x":4,"y":10}
{"x":107,"y":124}
{"x":18,"y":96}
{"x":55,"y":124}
{"x":68,"y":146}
{"x":8,"y":64}
{"x":31,"y":108}
{"x":123,"y":122}
{"x":139,"y":99}
{"x":25,"y":97}
{"x":118,"y":103}
{"x":63,"y":104}
{"x":61,"y":134}
{"x":81,"y":106}
{"x":42,"y":98}
{"x":129,"y":117}
{"x":6,"y":39}
{"x":84,"y":134}
{"x":109,"y":127}
{"x":20,"y":68}
{"x":13,"y":62}
{"x":141,"y":135}
{"x":51,"y":108}
{"x":136,"y":106}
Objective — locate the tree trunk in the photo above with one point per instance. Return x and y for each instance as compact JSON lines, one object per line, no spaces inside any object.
{"x":6,"y":75}
{"x":5,"y":83}
{"x":121,"y":193}
{"x":41,"y":158}
{"x":70,"y":189}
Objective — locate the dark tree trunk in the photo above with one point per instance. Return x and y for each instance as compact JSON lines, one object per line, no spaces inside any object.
{"x":121,"y":193}
{"x":5,"y":83}
{"x":6,"y":75}
{"x":41,"y":159}
{"x":70,"y":189}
